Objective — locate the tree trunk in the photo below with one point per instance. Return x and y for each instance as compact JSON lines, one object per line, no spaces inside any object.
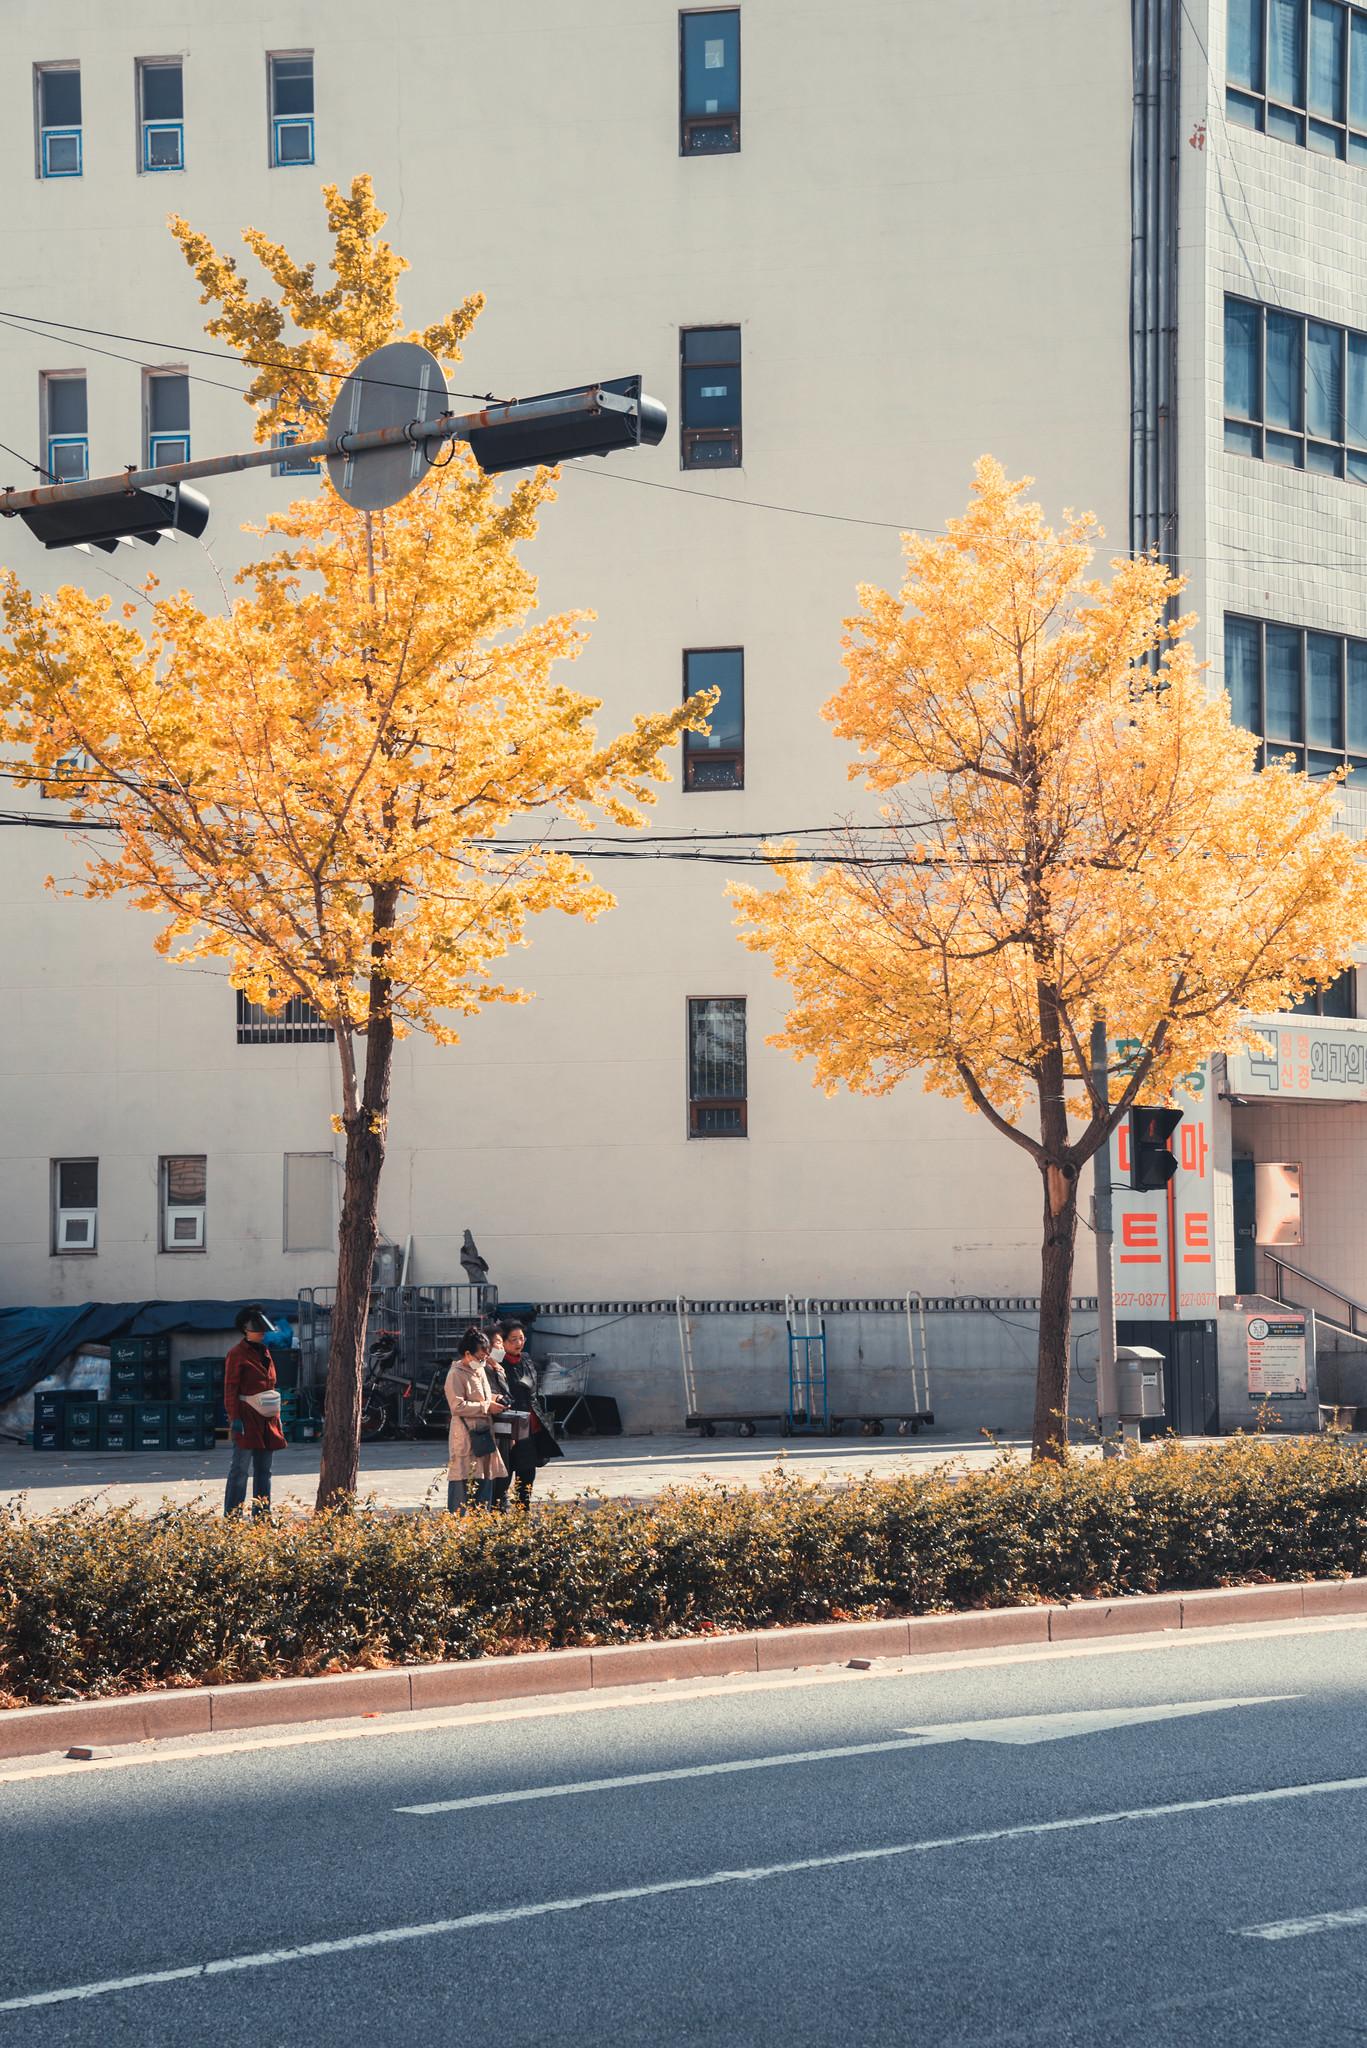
{"x":1055,"y":1313}
{"x":366,"y":1130}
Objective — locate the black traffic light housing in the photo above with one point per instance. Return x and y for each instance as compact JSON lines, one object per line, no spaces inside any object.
{"x":104,"y":520}
{"x":593,"y":430}
{"x":1152,"y":1162}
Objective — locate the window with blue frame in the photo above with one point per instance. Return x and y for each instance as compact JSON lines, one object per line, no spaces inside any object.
{"x":716,"y":759}
{"x":1303,"y":692}
{"x":65,"y":426}
{"x":1295,"y":390}
{"x":286,"y":437}
{"x":161,"y":113}
{"x":168,"y":417}
{"x":709,"y":397}
{"x":291,"y":92}
{"x":1297,"y":69}
{"x":709,"y":81}
{"x":57,"y":95}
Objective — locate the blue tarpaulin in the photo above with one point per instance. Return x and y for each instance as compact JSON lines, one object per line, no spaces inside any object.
{"x":34,"y":1341}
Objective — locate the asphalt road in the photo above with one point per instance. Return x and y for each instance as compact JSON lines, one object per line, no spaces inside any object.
{"x":1133,"y":1842}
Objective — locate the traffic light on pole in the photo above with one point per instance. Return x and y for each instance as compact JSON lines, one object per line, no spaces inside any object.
{"x":1152,"y":1160}
{"x":101,"y":520}
{"x":614,"y":414}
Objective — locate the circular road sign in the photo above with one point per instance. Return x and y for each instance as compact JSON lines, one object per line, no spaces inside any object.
{"x":396,"y":384}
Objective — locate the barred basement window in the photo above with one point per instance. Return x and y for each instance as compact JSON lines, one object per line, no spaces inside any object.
{"x":716,"y":1067}
{"x":297,"y":1023}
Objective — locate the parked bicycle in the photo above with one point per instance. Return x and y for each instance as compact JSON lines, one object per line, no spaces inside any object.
{"x":388,"y":1404}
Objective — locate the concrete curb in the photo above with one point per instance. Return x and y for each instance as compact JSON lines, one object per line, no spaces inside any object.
{"x":209,"y":1709}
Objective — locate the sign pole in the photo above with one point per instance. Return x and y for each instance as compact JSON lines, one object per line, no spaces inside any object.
{"x":1102,"y":1224}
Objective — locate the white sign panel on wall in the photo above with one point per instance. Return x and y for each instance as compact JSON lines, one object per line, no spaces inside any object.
{"x":1276,"y":1357}
{"x":1165,"y":1241}
{"x":1308,"y":1059}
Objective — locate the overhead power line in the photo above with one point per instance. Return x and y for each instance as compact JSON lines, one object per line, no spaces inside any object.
{"x":224,"y":355}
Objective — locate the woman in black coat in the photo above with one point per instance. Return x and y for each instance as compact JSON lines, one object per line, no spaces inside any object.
{"x":527,"y":1442}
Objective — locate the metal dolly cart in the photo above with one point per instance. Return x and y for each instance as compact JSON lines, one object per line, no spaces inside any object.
{"x":809,"y":1406}
{"x":809,"y":1409}
{"x":909,"y":1420}
{"x":706,"y":1424}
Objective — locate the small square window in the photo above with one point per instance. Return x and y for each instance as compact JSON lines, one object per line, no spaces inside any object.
{"x":161,"y":113}
{"x":291,"y":98}
{"x":75,"y":1205}
{"x":64,"y":426}
{"x":286,"y":437}
{"x":57,"y":115}
{"x":184,"y":1190}
{"x":168,"y":417}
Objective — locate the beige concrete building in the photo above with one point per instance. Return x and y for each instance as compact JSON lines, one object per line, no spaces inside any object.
{"x":853,"y":248}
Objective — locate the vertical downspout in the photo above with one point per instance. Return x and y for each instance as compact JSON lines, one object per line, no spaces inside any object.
{"x":1155,"y":29}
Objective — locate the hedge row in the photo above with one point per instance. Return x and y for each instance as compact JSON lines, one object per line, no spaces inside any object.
{"x":106,"y":1601}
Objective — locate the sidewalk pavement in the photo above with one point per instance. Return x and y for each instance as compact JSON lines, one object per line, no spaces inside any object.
{"x":413,"y":1475}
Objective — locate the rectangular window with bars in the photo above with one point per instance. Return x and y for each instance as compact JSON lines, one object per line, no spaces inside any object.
{"x":709,"y":397}
{"x":709,"y":81}
{"x":296,"y":1023}
{"x":716,"y":759}
{"x":184,"y":1189}
{"x":716,"y":1067}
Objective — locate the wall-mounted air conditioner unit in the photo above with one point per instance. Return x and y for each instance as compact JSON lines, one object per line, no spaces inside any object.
{"x":184,"y":1229}
{"x":75,"y":1230}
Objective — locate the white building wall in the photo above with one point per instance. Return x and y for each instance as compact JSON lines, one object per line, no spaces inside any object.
{"x":925,"y":241}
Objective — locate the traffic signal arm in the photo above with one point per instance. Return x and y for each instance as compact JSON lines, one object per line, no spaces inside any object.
{"x":591,"y":419}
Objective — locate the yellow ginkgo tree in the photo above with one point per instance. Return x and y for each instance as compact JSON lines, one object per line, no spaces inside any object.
{"x":312,"y":784}
{"x":1071,"y":831}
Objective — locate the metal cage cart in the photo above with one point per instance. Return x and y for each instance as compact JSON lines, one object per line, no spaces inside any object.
{"x":563,"y":1387}
{"x":898,"y":1394}
{"x":427,"y":1322}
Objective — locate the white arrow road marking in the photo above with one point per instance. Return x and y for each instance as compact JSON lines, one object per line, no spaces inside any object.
{"x":504,"y":1916}
{"x":1314,"y":1923}
{"x":1028,"y":1728}
{"x":1021,"y":1729}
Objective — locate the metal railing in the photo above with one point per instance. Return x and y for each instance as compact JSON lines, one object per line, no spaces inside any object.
{"x":1353,"y":1324}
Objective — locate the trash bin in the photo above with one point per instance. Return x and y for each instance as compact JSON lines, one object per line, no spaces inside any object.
{"x":1139,"y":1383}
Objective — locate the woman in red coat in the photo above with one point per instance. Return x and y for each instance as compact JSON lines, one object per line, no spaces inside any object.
{"x":253,"y":1405}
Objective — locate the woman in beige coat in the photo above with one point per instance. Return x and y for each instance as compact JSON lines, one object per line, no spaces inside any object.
{"x":473,"y":1406}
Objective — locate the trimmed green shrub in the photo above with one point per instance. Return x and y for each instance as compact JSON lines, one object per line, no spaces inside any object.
{"x":94,"y":1602}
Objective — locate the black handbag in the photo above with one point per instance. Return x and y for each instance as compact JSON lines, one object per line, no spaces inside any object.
{"x":481,"y":1443}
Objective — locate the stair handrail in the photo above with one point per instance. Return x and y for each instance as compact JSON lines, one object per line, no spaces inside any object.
{"x":1354,"y":1308}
